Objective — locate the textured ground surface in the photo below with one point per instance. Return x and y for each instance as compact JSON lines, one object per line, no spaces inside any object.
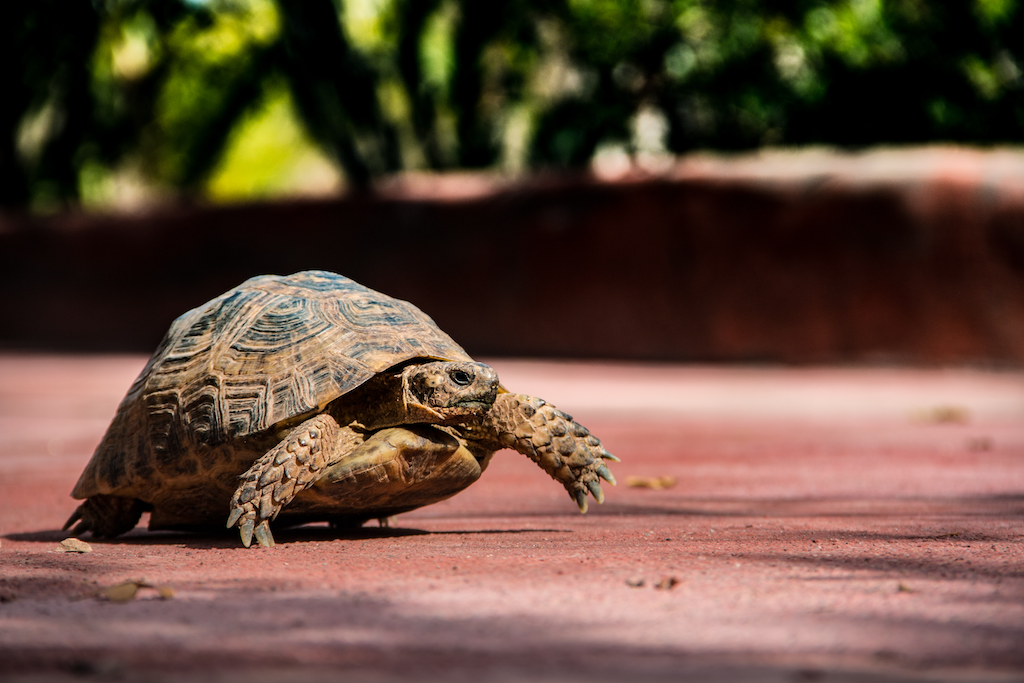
{"x":826,"y":524}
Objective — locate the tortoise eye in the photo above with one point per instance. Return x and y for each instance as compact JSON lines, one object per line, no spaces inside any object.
{"x":461,"y":377}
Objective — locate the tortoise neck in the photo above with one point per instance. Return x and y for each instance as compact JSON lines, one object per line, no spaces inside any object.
{"x":376,"y":404}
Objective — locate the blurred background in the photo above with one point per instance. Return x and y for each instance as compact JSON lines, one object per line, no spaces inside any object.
{"x":747,"y":181}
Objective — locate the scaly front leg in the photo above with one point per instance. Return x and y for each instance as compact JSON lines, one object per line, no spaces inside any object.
{"x":562,"y":447}
{"x":289,"y":467}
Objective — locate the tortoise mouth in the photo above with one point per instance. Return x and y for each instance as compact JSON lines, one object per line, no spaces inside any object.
{"x":474,"y":404}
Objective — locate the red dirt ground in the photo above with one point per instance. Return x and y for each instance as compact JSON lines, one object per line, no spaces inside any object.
{"x":827,"y":525}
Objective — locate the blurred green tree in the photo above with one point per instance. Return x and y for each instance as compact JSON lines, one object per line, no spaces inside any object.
{"x":162,"y":88}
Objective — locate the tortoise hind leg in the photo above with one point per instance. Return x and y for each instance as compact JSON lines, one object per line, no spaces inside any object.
{"x":288,"y":468}
{"x":106,"y":516}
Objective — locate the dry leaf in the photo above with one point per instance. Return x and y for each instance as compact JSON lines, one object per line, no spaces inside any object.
{"x":667,"y":583}
{"x":945,"y":415}
{"x":655,"y":483}
{"x":73,"y":545}
{"x":122,"y":592}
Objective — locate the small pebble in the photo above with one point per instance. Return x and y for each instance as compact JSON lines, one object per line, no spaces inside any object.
{"x":73,"y":545}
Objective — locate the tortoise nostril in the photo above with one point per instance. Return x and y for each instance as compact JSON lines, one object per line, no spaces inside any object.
{"x":461,"y":377}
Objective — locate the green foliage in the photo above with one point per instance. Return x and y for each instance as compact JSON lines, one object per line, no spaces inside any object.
{"x":269,"y":153}
{"x":171,"y":93}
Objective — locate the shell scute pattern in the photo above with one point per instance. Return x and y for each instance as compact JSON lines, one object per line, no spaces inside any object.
{"x":279,"y":331}
{"x":316,"y":280}
{"x":292,"y":392}
{"x":269,"y":350}
{"x":165,"y":439}
{"x":113,"y":471}
{"x":362,"y":313}
{"x":246,"y":403}
{"x":201,"y":404}
{"x":203,"y":328}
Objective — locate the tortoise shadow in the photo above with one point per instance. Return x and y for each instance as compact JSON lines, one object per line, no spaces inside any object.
{"x":229,"y":538}
{"x":215,"y":539}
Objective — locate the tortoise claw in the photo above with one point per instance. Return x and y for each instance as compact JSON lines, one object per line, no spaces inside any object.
{"x":233,"y":517}
{"x":608,"y":456}
{"x":606,"y":474}
{"x":263,"y":535}
{"x":581,"y":501}
{"x":75,"y":517}
{"x":245,"y":530}
{"x":595,"y":489}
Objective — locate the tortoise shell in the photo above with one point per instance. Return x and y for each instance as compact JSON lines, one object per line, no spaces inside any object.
{"x":272,"y":351}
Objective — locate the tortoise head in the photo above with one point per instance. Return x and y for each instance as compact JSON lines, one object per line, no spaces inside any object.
{"x":448,"y":391}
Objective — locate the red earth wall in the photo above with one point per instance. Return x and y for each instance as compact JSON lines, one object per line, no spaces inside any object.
{"x":890,"y":256}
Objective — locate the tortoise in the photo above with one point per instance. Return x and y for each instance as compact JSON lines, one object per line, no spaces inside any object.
{"x":312,"y":398}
